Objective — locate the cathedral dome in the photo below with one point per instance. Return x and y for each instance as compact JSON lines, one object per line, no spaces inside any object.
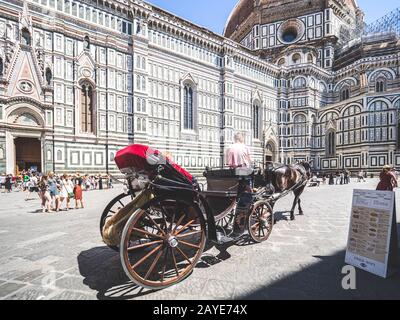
{"x":247,"y":12}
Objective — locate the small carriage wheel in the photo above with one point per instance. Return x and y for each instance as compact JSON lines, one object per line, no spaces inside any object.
{"x":161,"y":244}
{"x":260,"y":221}
{"x":112,"y":208}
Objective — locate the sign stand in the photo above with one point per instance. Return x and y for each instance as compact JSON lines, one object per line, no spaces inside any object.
{"x":393,"y":263}
{"x":373,"y":243}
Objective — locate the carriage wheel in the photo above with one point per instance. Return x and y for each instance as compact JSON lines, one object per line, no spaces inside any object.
{"x":162,"y":244}
{"x":112,"y":208}
{"x":260,"y":221}
{"x":225,"y":219}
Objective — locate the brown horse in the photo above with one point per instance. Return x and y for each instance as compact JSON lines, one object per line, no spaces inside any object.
{"x":289,"y":178}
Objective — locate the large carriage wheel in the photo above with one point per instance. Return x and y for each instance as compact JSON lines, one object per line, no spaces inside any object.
{"x":162,"y":244}
{"x":112,"y":208}
{"x":225,"y":219}
{"x":260,"y":221}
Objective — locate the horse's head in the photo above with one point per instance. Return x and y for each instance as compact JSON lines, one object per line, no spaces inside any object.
{"x":307,"y":167}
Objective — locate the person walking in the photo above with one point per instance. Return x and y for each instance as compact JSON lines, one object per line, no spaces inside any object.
{"x":388,"y":179}
{"x":337,"y":175}
{"x":8,"y":183}
{"x":332,"y":180}
{"x":44,"y":192}
{"x":33,"y":186}
{"x":54,"y":191}
{"x":78,"y":195}
{"x":67,"y":190}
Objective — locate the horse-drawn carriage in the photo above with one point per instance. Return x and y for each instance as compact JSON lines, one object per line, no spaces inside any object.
{"x":161,"y":224}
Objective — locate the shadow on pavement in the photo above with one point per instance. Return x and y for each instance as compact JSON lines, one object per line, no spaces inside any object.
{"x":323,"y":281}
{"x":103,"y":272}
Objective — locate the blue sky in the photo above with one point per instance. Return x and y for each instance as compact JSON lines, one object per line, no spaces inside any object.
{"x":213,"y":14}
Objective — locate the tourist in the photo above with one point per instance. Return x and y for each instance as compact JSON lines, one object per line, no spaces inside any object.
{"x":332,"y":179}
{"x":2,"y":181}
{"x":78,"y":195}
{"x":67,"y":190}
{"x":361,"y":176}
{"x":337,"y":177}
{"x":54,"y":191}
{"x":8,"y":183}
{"x":33,"y":186}
{"x":100,"y":182}
{"x":44,"y":192}
{"x":346,"y":177}
{"x":388,"y":180}
{"x":110,"y":185}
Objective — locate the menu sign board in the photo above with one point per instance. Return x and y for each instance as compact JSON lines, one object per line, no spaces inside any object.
{"x":371,"y":231}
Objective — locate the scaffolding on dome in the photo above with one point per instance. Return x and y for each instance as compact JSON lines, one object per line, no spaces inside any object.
{"x":388,"y":23}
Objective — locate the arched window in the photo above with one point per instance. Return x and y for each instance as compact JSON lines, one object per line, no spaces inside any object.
{"x":49,"y":76}
{"x":397,"y":106}
{"x":281,"y":62}
{"x":300,"y":131}
{"x":256,"y":121}
{"x":310,"y":58}
{"x":188,"y":114}
{"x":380,"y":85}
{"x":296,"y":58}
{"x":87,"y":109}
{"x":26,"y":37}
{"x":345,"y":94}
{"x":299,"y":83}
{"x":330,"y":144}
{"x":378,"y":121}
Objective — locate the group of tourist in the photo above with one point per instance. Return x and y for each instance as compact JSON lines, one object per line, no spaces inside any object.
{"x":56,"y":192}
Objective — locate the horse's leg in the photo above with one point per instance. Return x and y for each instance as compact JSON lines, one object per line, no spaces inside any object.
{"x":299,"y":201}
{"x":296,"y":199}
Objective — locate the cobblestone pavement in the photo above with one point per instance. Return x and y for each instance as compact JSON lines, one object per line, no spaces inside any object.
{"x":61,"y":256}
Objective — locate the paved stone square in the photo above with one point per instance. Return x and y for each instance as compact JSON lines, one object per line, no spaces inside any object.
{"x":61,"y":256}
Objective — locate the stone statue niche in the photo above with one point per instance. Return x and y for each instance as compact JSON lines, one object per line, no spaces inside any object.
{"x":49,"y":77}
{"x":26,"y":37}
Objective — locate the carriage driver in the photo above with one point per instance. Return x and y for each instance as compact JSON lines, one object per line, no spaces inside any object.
{"x":239,"y":156}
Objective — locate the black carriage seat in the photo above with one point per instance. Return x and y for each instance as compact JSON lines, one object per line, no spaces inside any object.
{"x":225,"y":180}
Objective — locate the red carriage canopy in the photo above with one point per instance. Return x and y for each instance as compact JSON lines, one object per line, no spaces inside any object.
{"x":144,"y":158}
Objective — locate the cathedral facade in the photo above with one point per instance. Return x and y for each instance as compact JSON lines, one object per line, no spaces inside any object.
{"x":81,"y":79}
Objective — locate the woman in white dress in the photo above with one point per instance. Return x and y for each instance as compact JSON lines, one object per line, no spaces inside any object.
{"x":67,"y":190}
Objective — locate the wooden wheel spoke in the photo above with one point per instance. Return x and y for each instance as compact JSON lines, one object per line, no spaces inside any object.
{"x":184,"y":255}
{"x":188,"y":234}
{"x":178,"y":223}
{"x":175,"y":265}
{"x":147,"y":256}
{"x":155,"y":224}
{"x":255,"y":225}
{"x":148,"y":233}
{"x":150,"y":271}
{"x":164,"y":214}
{"x":165,"y":265}
{"x":184,"y":227}
{"x":148,"y":244}
{"x":189,"y":244}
